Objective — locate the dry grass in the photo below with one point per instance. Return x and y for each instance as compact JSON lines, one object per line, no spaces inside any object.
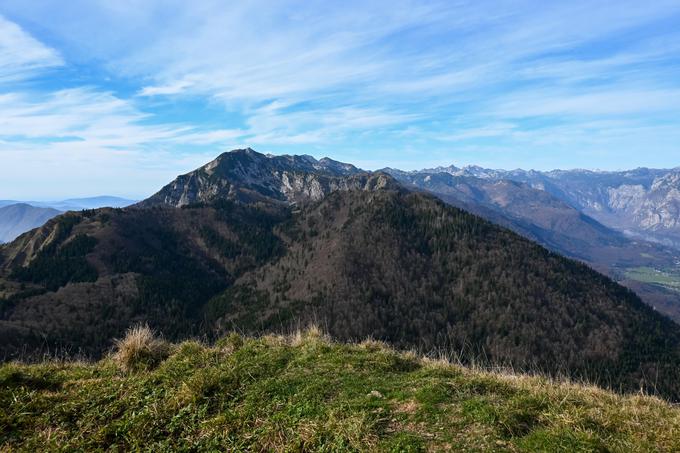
{"x":305,"y":392}
{"x":310,"y":334}
{"x":140,"y":349}
{"x":371,"y":344}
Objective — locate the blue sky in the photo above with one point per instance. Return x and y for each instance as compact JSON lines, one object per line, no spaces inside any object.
{"x":119,"y":96}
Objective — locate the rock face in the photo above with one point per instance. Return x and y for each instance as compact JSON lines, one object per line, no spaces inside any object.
{"x":660,"y":209}
{"x":246,"y":175}
{"x":642,"y":202}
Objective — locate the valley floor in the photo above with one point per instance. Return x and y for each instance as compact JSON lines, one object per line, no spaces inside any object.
{"x":305,"y":392}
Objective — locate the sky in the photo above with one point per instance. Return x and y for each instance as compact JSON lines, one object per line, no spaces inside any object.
{"x":118,"y":97}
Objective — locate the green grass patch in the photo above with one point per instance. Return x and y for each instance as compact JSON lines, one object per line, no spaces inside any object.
{"x":307,"y":393}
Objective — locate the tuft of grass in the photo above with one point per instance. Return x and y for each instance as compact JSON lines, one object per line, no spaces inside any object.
{"x":140,"y":349}
{"x":230,"y":343}
{"x":304,"y":392}
{"x":309,"y":335}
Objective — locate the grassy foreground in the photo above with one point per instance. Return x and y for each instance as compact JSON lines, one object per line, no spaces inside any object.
{"x":305,"y":392}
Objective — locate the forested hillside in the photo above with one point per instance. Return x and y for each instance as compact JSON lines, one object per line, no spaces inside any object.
{"x":537,"y":212}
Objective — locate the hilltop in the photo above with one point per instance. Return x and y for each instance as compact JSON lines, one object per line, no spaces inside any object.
{"x":305,"y":392}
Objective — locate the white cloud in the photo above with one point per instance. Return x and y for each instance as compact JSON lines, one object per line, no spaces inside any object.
{"x":270,"y":124}
{"x":210,"y":137}
{"x":83,"y":141}
{"x":489,"y":130}
{"x":96,"y":119}
{"x":164,"y":90}
{"x":21,"y":55}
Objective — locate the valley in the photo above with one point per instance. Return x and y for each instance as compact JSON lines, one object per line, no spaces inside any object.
{"x":669,"y":279}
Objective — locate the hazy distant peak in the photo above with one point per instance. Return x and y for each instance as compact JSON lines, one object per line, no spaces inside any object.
{"x":18,"y":218}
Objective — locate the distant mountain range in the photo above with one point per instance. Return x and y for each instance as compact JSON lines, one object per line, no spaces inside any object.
{"x":642,"y":203}
{"x":262,"y":243}
{"x":17,"y":217}
{"x":76,"y":204}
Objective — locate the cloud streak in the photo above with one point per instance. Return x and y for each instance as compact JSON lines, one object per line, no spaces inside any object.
{"x":21,"y":56}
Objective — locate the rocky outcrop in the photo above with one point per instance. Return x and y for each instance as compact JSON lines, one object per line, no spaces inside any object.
{"x":249,"y":176}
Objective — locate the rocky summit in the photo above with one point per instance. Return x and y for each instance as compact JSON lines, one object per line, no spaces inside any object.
{"x":247,"y":175}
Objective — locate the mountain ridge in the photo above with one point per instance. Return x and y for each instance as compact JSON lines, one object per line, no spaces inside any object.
{"x":247,"y":175}
{"x":643,"y":202}
{"x":522,"y":205}
{"x":361,"y":251}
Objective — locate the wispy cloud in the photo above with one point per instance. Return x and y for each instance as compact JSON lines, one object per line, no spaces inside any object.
{"x":176,"y":87}
{"x":96,"y":118}
{"x":21,"y":55}
{"x":522,"y":83}
{"x":272,"y":124}
{"x":79,"y":138}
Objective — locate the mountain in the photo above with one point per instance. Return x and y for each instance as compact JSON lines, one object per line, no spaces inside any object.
{"x":249,"y":176}
{"x":260,"y":243}
{"x":77,"y":204}
{"x":16,"y":219}
{"x":305,"y":392}
{"x":533,"y":213}
{"x":530,"y":204}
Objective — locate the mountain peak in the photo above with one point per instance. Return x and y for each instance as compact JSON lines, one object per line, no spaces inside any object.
{"x":249,"y":176}
{"x":247,"y":152}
